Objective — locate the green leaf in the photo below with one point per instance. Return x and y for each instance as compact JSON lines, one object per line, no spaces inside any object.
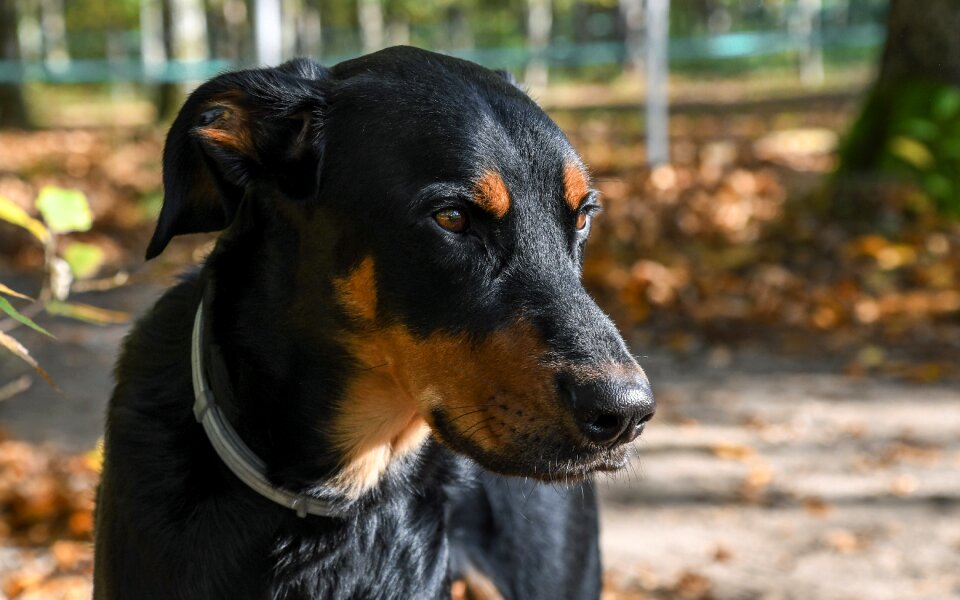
{"x":85,"y":312}
{"x":18,"y":350}
{"x":5,"y":290}
{"x":946,"y":103}
{"x":938,"y":185}
{"x":150,"y":205}
{"x":12,"y":213}
{"x":64,"y":210}
{"x":84,"y":259}
{"x":921,"y":129}
{"x":8,"y":308}
{"x":912,"y":152}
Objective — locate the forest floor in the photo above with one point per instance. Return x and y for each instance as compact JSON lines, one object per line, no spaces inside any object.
{"x":807,"y":441}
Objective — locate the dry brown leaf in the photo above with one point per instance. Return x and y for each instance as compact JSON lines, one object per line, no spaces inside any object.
{"x":843,"y":541}
{"x":722,"y":554}
{"x":733,"y":451}
{"x":693,"y":586}
{"x":817,"y":507}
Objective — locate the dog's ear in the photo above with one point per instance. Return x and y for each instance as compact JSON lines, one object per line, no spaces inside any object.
{"x":236,"y":129}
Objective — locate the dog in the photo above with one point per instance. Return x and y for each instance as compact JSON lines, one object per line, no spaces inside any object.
{"x":386,"y":380}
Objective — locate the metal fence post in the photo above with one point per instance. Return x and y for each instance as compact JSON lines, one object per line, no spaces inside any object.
{"x":267,"y":22}
{"x":657,"y":42}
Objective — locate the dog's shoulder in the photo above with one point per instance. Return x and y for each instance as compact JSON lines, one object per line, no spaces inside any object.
{"x":157,"y":347}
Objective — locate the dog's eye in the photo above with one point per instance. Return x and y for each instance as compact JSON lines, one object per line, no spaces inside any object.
{"x":582,"y":218}
{"x":584,"y":214}
{"x":451,"y":219}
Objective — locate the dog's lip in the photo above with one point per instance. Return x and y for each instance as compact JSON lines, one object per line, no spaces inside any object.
{"x":607,"y":464}
{"x":610,"y":466}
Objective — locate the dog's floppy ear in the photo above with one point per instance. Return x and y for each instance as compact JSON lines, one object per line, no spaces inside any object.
{"x":235,"y":129}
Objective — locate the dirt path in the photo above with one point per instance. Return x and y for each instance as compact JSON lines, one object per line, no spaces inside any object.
{"x":792,"y":486}
{"x":761,"y":480}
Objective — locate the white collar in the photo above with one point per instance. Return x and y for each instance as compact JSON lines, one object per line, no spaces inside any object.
{"x":234,"y":453}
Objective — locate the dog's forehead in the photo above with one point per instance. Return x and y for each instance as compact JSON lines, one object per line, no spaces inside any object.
{"x":436,"y":118}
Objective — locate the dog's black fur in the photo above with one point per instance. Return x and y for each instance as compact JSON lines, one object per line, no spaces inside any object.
{"x":350,"y":313}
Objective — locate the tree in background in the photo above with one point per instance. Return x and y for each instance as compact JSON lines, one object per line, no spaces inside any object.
{"x":910,"y":124}
{"x":12,"y":110}
{"x":539,"y":24}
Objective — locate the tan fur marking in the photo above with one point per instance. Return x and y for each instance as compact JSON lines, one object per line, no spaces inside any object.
{"x":491,"y":194}
{"x":387,"y":408}
{"x":575,"y":185}
{"x":358,"y":292}
{"x":230,"y":130}
{"x":479,"y":586}
{"x":458,"y":590}
{"x":376,"y":427}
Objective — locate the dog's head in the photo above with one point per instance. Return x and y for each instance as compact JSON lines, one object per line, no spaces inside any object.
{"x":435,"y":226}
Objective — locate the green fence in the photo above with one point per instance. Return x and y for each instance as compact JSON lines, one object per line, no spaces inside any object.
{"x":725,"y":47}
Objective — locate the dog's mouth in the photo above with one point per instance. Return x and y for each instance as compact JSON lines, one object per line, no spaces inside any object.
{"x":546,"y":453}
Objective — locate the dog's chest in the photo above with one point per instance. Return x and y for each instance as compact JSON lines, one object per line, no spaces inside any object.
{"x":381,"y":555}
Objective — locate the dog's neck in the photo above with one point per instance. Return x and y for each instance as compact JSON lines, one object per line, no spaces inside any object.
{"x":317,"y":413}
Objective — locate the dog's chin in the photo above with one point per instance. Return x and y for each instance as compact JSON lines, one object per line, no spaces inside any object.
{"x":572,"y":469}
{"x":557,"y":464}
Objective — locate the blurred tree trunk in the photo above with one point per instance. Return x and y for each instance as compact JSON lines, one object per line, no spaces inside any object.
{"x":153,"y":51}
{"x":398,"y":33}
{"x":189,"y":33}
{"x":291,"y":13}
{"x":310,"y":31}
{"x":920,"y":65}
{"x":54,"y":24}
{"x":657,"y":72}
{"x":806,"y":25}
{"x":185,"y":41}
{"x":237,"y":35}
{"x":581,"y":12}
{"x":923,"y":46}
{"x":168,"y":92}
{"x":539,"y":25}
{"x":13,"y":113}
{"x":268,"y":28}
{"x":370,"y":17}
{"x":632,"y":12}
{"x":459,"y":33}
{"x":922,"y":43}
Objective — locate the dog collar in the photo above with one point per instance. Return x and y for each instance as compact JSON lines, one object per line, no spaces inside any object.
{"x":234,"y":453}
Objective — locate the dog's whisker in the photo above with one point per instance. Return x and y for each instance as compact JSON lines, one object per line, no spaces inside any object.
{"x":380,"y":366}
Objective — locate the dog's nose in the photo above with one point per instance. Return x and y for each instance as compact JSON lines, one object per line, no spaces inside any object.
{"x":612,"y":410}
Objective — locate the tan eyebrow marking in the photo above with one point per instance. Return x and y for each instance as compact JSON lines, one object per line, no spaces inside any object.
{"x":491,"y":194}
{"x":575,"y":185}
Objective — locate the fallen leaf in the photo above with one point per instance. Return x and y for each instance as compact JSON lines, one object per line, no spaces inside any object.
{"x":816,"y":507}
{"x":843,"y":541}
{"x":23,"y":354}
{"x":722,"y":554}
{"x":732,"y":451}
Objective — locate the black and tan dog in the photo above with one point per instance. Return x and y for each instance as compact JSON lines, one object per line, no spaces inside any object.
{"x":390,"y":329}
